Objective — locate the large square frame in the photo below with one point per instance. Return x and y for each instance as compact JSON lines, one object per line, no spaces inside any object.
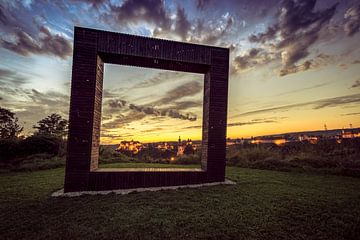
{"x":92,"y":48}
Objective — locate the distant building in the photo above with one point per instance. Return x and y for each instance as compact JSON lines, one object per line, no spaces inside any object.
{"x":182,"y":145}
{"x":131,"y":146}
{"x":277,"y":141}
{"x":310,"y":139}
{"x":348,"y":133}
{"x":164,"y":146}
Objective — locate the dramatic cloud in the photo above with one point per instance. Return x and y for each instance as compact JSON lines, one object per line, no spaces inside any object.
{"x":356,"y":84}
{"x":318,"y":104}
{"x":297,"y":28}
{"x":290,"y":35}
{"x":337,"y":101}
{"x":49,"y":98}
{"x":169,"y":105}
{"x":296,"y":68}
{"x":11,"y":77}
{"x":160,"y":78}
{"x":24,"y":33}
{"x":204,"y":32}
{"x":116,"y":103}
{"x":175,"y":114}
{"x":268,"y":35}
{"x":182,"y":25}
{"x":21,"y":98}
{"x":351,"y":114}
{"x":184,"y":90}
{"x":3,"y":18}
{"x":235,"y":124}
{"x":163,"y":112}
{"x":187,"y":104}
{"x":45,"y":43}
{"x":166,"y":23}
{"x":136,"y":11}
{"x":109,"y":93}
{"x":152,"y":130}
{"x":145,"y":109}
{"x":252,"y":58}
{"x":123,"y":120}
{"x":252,"y":122}
{"x":212,"y":33}
{"x":319,"y":61}
{"x":304,"y":89}
{"x":112,"y":135}
{"x":201,"y":4}
{"x":93,"y":3}
{"x":352,"y":20}
{"x":30,"y":105}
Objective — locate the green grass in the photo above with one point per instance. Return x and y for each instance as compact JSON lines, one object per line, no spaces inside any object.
{"x":141,"y":165}
{"x":263,"y":205}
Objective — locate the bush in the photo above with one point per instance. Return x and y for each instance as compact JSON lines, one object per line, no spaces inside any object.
{"x":108,"y":154}
{"x":40,"y":144}
{"x":15,"y":152}
{"x":246,"y":156}
{"x":188,"y":159}
{"x":272,"y":164}
{"x":309,"y":160}
{"x":8,"y":150}
{"x":327,"y":156}
{"x":40,"y":161}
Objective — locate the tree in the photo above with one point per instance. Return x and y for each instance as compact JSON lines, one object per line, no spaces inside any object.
{"x":188,"y":149}
{"x":9,"y":128}
{"x":53,"y":125}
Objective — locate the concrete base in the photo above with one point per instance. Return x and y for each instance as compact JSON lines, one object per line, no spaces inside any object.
{"x":61,"y":193}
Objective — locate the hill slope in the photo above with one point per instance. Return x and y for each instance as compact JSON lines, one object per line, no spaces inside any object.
{"x":263,"y":205}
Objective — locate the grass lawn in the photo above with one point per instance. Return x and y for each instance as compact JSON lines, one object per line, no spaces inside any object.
{"x":263,"y":205}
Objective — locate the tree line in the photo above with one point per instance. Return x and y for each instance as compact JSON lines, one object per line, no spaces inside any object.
{"x":49,"y":136}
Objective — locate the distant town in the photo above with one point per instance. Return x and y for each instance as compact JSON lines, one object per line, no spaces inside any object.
{"x":181,"y":147}
{"x":306,"y":136}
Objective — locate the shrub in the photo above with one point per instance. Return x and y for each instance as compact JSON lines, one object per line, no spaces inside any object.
{"x":40,"y":144}
{"x":14,"y":151}
{"x":188,"y":159}
{"x":271,"y":164}
{"x":245,"y":156}
{"x":8,"y":150}
{"x":108,"y":154}
{"x":40,"y":161}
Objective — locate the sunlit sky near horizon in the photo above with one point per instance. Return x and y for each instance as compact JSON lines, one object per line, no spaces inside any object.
{"x":294,"y":65}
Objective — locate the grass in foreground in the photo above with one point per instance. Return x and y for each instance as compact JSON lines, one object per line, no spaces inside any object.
{"x":144,"y":165}
{"x":263,"y":205}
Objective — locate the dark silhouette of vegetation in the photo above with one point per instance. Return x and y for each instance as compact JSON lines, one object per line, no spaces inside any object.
{"x":9,"y":127}
{"x":53,"y":125}
{"x":189,"y":149}
{"x":46,"y":148}
{"x":38,"y":151}
{"x":327,"y":155}
{"x":187,"y":159}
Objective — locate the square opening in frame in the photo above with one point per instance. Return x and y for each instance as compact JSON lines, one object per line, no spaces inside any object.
{"x":93,"y":48}
{"x":150,"y":116}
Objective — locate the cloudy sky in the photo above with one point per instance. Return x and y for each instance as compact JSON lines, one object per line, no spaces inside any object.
{"x":295,"y":65}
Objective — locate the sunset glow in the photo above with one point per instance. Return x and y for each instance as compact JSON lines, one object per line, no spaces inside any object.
{"x":286,"y":74}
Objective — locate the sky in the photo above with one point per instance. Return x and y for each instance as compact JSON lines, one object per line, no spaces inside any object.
{"x":294,"y":64}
